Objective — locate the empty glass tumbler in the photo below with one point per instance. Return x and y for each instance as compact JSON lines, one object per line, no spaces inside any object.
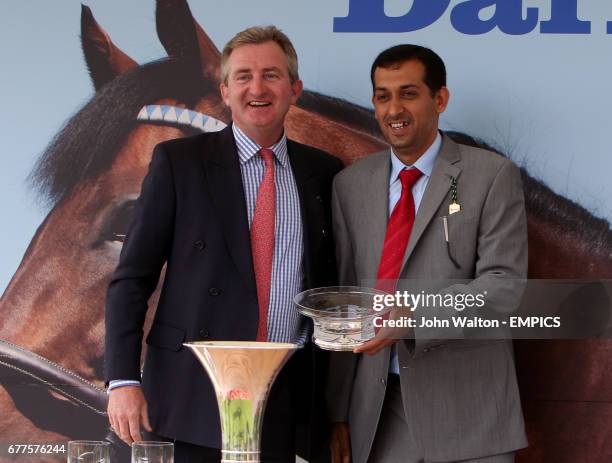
{"x":88,"y":451}
{"x":152,"y":452}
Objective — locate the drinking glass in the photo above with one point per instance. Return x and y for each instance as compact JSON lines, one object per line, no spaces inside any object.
{"x":88,"y":451}
{"x":152,"y":452}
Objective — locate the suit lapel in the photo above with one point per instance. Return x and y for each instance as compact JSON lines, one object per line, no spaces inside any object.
{"x":446,"y":166}
{"x":222,"y":170}
{"x":312,"y":223}
{"x":375,"y":208}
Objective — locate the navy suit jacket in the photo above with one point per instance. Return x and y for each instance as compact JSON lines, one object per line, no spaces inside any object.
{"x":191,"y":216}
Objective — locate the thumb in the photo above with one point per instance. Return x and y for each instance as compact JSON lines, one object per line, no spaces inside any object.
{"x":346,"y":447}
{"x":144,"y":414}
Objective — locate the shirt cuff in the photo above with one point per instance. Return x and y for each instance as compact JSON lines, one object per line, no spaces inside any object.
{"x":115,"y":383}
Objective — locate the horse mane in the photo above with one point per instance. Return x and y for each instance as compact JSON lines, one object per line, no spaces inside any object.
{"x":340,"y":111}
{"x":89,"y":141}
{"x":544,"y":203}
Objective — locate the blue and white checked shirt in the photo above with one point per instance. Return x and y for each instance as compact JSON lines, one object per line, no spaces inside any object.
{"x":285,"y":324}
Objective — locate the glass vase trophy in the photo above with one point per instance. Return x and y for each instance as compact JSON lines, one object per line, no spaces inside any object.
{"x":242,"y":374}
{"x":343,"y":316}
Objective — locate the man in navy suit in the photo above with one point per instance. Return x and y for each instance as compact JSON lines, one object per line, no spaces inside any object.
{"x":241,"y":219}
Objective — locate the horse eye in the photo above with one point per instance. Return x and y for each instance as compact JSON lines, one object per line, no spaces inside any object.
{"x":117,"y":224}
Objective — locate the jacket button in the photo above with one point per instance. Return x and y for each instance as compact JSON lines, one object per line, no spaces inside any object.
{"x":324,"y":233}
{"x":214,"y":291}
{"x":318,"y":198}
{"x":203,"y":333}
{"x":199,"y":245}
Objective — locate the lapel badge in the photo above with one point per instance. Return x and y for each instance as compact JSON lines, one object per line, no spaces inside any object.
{"x":454,"y":206}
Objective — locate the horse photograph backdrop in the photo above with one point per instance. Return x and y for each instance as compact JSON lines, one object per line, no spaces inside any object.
{"x":89,"y":90}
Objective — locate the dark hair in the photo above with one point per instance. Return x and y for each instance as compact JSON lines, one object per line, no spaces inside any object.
{"x":435,"y":71}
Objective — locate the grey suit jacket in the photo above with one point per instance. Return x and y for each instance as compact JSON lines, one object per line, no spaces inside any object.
{"x":460,"y":395}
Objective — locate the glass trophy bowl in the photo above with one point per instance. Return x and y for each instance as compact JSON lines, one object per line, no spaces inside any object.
{"x":342,"y":315}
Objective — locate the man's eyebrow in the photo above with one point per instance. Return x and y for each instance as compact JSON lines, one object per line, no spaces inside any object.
{"x":242,"y":71}
{"x":402,"y":87}
{"x":273,"y":68}
{"x":249,"y":70}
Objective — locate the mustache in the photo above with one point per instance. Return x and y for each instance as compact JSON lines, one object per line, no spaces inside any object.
{"x":397,"y":118}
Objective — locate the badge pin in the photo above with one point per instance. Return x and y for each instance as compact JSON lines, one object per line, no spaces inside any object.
{"x":453,"y":207}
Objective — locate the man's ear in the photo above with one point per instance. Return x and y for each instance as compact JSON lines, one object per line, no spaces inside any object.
{"x":224,"y":93}
{"x":442,"y":97}
{"x":297,"y":87}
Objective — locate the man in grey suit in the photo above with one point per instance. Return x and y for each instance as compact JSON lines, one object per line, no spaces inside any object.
{"x":427,"y":209}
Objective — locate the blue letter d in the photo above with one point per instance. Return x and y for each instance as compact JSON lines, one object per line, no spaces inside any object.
{"x":369,"y":16}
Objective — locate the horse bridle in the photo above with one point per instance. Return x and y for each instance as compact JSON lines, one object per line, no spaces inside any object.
{"x":62,"y":381}
{"x":175,"y":115}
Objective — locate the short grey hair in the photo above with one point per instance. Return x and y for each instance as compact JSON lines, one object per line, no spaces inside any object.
{"x":257,"y":35}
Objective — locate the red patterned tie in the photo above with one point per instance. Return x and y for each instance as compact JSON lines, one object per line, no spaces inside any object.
{"x":262,"y":240}
{"x":398,"y":232}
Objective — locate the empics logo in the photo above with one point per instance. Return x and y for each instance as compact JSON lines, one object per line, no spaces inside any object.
{"x":370,"y":16}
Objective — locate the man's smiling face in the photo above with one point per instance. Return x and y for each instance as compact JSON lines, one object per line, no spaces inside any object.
{"x":259,"y":91}
{"x":405,"y":108}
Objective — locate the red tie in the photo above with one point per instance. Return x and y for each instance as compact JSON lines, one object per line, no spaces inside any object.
{"x":398,"y":232}
{"x":262,"y":240}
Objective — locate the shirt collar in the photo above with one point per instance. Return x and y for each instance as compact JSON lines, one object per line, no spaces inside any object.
{"x":247,"y":148}
{"x":425,"y":163}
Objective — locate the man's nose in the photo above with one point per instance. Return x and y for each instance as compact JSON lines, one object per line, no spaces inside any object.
{"x":395,"y":106}
{"x":258,"y":86}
